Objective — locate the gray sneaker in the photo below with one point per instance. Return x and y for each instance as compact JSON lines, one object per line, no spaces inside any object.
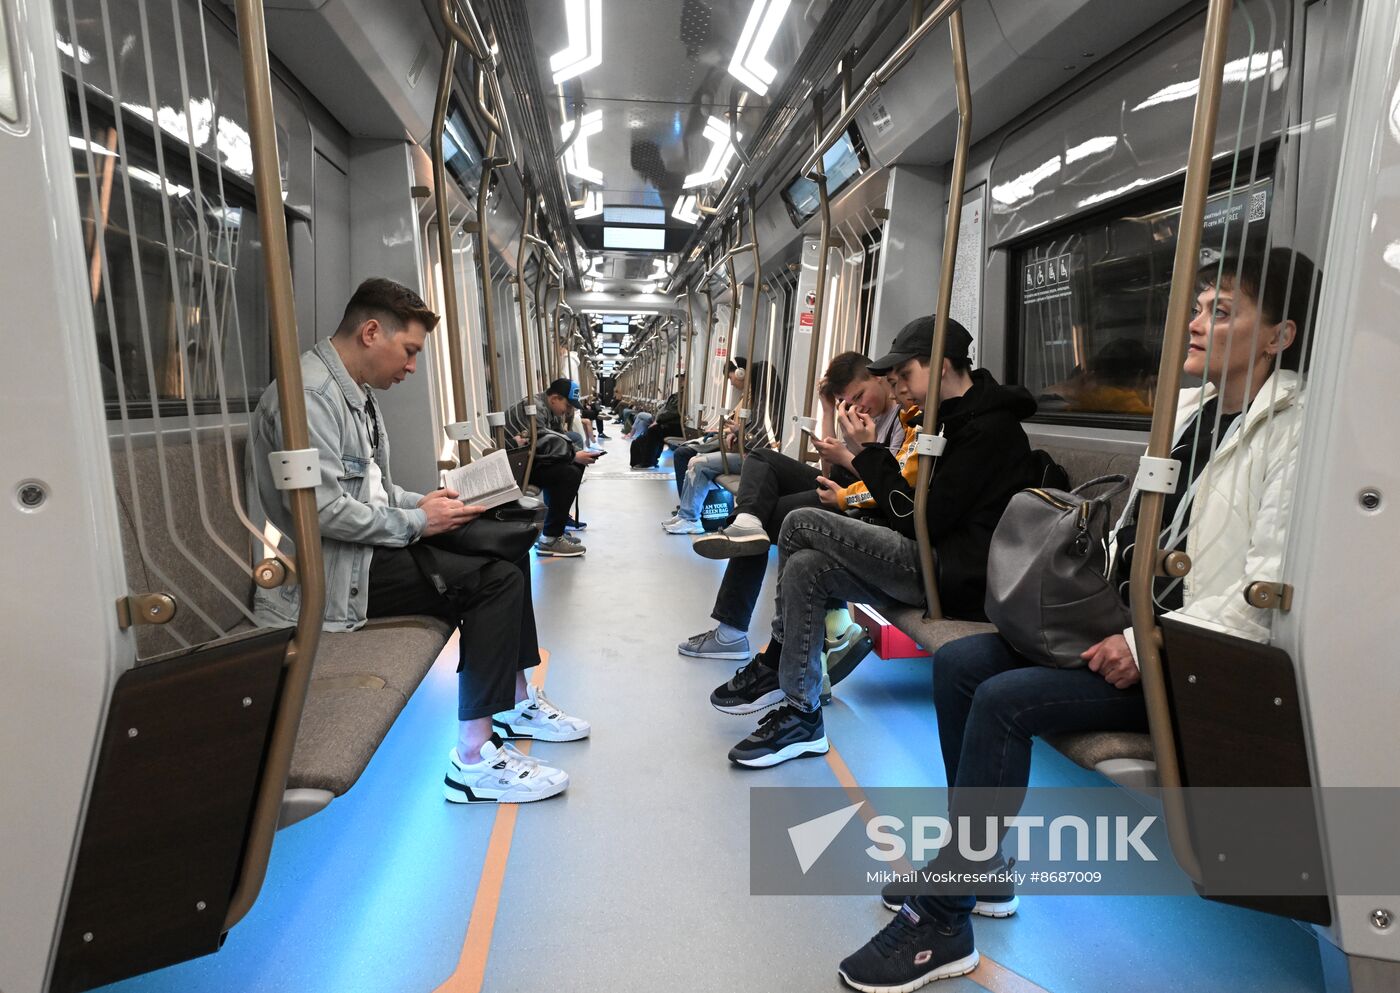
{"x":706,"y":645}
{"x":564,"y":546}
{"x":731,"y":542}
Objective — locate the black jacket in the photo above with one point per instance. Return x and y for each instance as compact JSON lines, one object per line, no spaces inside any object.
{"x":987,"y":460}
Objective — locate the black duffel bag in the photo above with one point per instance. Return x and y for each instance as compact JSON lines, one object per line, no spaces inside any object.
{"x":506,"y":532}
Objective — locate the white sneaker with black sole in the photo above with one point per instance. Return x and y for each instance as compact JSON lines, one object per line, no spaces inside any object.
{"x":501,"y":774}
{"x":538,"y":718}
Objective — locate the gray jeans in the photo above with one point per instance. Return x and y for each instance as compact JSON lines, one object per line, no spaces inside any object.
{"x":824,"y":556}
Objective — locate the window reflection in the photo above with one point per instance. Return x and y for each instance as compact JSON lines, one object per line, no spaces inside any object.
{"x":176,"y":277}
{"x":1093,"y":300}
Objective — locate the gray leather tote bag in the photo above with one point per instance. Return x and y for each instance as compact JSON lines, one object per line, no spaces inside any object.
{"x":1048,"y":591}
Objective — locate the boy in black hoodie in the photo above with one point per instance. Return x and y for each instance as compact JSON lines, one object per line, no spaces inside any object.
{"x":824,"y":556}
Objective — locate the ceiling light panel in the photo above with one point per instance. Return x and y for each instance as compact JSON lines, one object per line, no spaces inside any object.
{"x":592,"y":207}
{"x":647,"y":239}
{"x":687,"y":209}
{"x":721,"y":154}
{"x":750,"y":62}
{"x":576,"y":158}
{"x":584,"y":19}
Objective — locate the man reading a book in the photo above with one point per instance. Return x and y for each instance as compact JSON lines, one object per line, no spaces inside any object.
{"x":377,"y":543}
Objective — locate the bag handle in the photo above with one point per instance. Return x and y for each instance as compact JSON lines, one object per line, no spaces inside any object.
{"x":1119,"y":481}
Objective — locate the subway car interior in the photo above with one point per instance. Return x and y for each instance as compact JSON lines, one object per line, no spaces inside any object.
{"x":865,"y":292}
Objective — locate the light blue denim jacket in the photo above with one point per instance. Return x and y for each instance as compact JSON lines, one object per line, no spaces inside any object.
{"x":336,"y":416}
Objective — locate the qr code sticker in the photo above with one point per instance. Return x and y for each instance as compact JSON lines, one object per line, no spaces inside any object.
{"x":1257,"y":206}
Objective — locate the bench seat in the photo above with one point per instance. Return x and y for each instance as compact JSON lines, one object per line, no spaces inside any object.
{"x":361,"y":680}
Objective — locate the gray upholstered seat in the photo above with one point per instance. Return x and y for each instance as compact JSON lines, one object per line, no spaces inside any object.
{"x":361,"y":679}
{"x":673,"y":441}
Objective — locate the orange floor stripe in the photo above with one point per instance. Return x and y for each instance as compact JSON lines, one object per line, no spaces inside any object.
{"x":470,"y":974}
{"x":989,"y":974}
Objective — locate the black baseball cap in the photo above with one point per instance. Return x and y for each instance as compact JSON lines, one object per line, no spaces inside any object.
{"x":916,"y":338}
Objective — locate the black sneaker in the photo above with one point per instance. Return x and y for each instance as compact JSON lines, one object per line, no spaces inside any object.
{"x":913,"y":949}
{"x":782,"y":734}
{"x":847,"y":652}
{"x":1000,"y":901}
{"x":574,"y":524}
{"x":753,"y":688}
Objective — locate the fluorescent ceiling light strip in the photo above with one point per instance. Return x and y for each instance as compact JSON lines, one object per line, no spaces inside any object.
{"x":750,"y":64}
{"x":584,"y":19}
{"x":576,"y":158}
{"x":721,"y":153}
{"x":687,"y":209}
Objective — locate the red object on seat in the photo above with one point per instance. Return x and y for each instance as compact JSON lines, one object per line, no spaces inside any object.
{"x":890,"y":642}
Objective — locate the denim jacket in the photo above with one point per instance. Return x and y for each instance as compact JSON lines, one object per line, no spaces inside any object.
{"x":338,"y":422}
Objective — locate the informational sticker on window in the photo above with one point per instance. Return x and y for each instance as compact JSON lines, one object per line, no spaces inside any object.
{"x":966,"y":305}
{"x":1044,"y":280}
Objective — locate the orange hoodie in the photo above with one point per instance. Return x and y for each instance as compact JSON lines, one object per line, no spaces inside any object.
{"x":857,"y":495}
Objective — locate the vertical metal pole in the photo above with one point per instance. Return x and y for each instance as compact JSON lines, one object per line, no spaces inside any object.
{"x":823,"y":249}
{"x":446,"y":257}
{"x":277,"y":268}
{"x":1145,"y":567}
{"x":488,"y":302}
{"x":927,"y":566}
{"x":521,"y":256}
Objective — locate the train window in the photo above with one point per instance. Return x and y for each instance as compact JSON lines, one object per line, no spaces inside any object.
{"x":461,"y":153}
{"x":176,"y":276}
{"x":843,"y":162}
{"x":1091,"y":299}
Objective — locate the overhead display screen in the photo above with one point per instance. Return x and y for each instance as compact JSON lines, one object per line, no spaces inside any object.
{"x":636,"y":239}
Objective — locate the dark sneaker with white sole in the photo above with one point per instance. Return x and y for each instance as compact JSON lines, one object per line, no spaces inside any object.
{"x":997,"y":901}
{"x":754,"y":687}
{"x":911,"y":951}
{"x":731,"y":542}
{"x":782,"y":734}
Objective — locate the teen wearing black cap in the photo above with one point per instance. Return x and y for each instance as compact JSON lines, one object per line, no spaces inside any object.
{"x":824,"y":556}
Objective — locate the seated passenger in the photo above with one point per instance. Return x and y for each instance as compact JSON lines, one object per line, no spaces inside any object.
{"x":701,"y":471}
{"x":376,"y":538}
{"x":1237,"y":436}
{"x":649,"y":444}
{"x":735,"y":372}
{"x":771,"y":486}
{"x":822,"y":556}
{"x":558,"y":468}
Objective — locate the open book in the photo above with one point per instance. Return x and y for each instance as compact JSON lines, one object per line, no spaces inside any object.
{"x":487,"y":482}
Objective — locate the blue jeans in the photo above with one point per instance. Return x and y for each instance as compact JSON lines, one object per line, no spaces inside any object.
{"x":824,"y":557}
{"x":700,"y":476}
{"x":991,"y":702}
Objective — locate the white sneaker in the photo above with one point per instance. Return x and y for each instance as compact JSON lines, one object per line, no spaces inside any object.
{"x":503,"y":775}
{"x":536,"y":717}
{"x":682,"y":526}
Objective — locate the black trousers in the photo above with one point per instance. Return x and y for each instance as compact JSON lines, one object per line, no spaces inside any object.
{"x":771,"y":486}
{"x":646,"y":450}
{"x":490,"y":603}
{"x":560,"y":484}
{"x":680,"y":459}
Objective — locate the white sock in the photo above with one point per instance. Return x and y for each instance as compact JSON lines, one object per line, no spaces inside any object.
{"x":729,"y":635}
{"x":748,"y":521}
{"x":836,"y":623}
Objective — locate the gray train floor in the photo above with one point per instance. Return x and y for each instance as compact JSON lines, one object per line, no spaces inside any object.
{"x":637,"y":879}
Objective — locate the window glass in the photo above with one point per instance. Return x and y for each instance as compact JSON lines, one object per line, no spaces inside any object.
{"x":460,"y":152}
{"x":177,"y":281}
{"x":1091,"y":301}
